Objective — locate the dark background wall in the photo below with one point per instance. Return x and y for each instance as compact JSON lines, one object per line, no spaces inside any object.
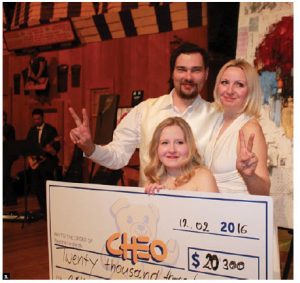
{"x":222,"y":37}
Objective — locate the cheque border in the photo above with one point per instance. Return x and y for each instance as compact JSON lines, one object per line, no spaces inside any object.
{"x":128,"y":190}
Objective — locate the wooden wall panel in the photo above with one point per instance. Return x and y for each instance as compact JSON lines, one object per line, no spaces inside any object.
{"x":120,"y":65}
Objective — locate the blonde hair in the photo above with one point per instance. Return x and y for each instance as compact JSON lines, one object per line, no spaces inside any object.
{"x":254,"y":99}
{"x":155,"y":170}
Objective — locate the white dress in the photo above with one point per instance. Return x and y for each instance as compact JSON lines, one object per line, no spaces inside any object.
{"x":220,"y":157}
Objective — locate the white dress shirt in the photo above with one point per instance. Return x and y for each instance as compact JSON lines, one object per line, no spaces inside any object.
{"x":40,"y":130}
{"x":137,"y":127}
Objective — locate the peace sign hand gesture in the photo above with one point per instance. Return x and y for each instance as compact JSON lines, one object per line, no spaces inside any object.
{"x":81,"y":135}
{"x":247,"y":161}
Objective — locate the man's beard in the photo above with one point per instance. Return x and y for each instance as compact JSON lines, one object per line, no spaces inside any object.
{"x":191,"y":95}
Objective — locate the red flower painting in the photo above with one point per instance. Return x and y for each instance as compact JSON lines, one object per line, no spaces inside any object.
{"x":276,"y":49}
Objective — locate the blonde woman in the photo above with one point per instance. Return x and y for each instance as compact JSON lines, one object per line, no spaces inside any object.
{"x":237,"y":151}
{"x":174,"y":160}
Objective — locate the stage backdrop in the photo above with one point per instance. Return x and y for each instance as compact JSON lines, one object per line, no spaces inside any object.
{"x":114,"y":57}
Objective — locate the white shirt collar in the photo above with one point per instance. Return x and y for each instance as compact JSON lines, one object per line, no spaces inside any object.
{"x":195,"y":103}
{"x":41,"y":127}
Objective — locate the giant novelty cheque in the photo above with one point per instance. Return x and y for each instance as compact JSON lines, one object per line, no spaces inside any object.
{"x":110,"y":232}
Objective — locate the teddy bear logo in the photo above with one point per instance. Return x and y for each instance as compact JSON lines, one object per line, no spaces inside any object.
{"x":137,"y":220}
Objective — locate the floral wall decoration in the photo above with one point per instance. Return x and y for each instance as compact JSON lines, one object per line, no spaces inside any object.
{"x":275,"y":53}
{"x":265,"y":39}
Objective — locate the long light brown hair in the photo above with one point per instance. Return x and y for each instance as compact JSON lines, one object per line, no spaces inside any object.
{"x":155,"y":171}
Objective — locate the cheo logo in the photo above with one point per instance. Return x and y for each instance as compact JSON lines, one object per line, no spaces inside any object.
{"x":136,"y":248}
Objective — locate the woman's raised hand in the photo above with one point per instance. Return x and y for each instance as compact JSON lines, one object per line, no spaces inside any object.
{"x":247,"y":161}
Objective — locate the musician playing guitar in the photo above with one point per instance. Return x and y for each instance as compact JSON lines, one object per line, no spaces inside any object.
{"x":43,"y":167}
{"x":34,"y":161}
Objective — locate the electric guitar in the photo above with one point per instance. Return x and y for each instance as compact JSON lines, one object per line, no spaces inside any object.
{"x":34,"y":161}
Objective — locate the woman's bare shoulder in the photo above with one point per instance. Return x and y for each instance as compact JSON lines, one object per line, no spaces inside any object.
{"x":252,"y":126}
{"x":205,"y":180}
{"x":203,"y":172}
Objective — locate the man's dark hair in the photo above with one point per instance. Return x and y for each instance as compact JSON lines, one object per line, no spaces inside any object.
{"x":186,"y":48}
{"x":38,"y":111}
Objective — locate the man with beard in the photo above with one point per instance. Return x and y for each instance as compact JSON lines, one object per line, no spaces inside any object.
{"x":189,"y":72}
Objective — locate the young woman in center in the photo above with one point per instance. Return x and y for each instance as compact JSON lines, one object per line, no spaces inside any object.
{"x":174,"y":160}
